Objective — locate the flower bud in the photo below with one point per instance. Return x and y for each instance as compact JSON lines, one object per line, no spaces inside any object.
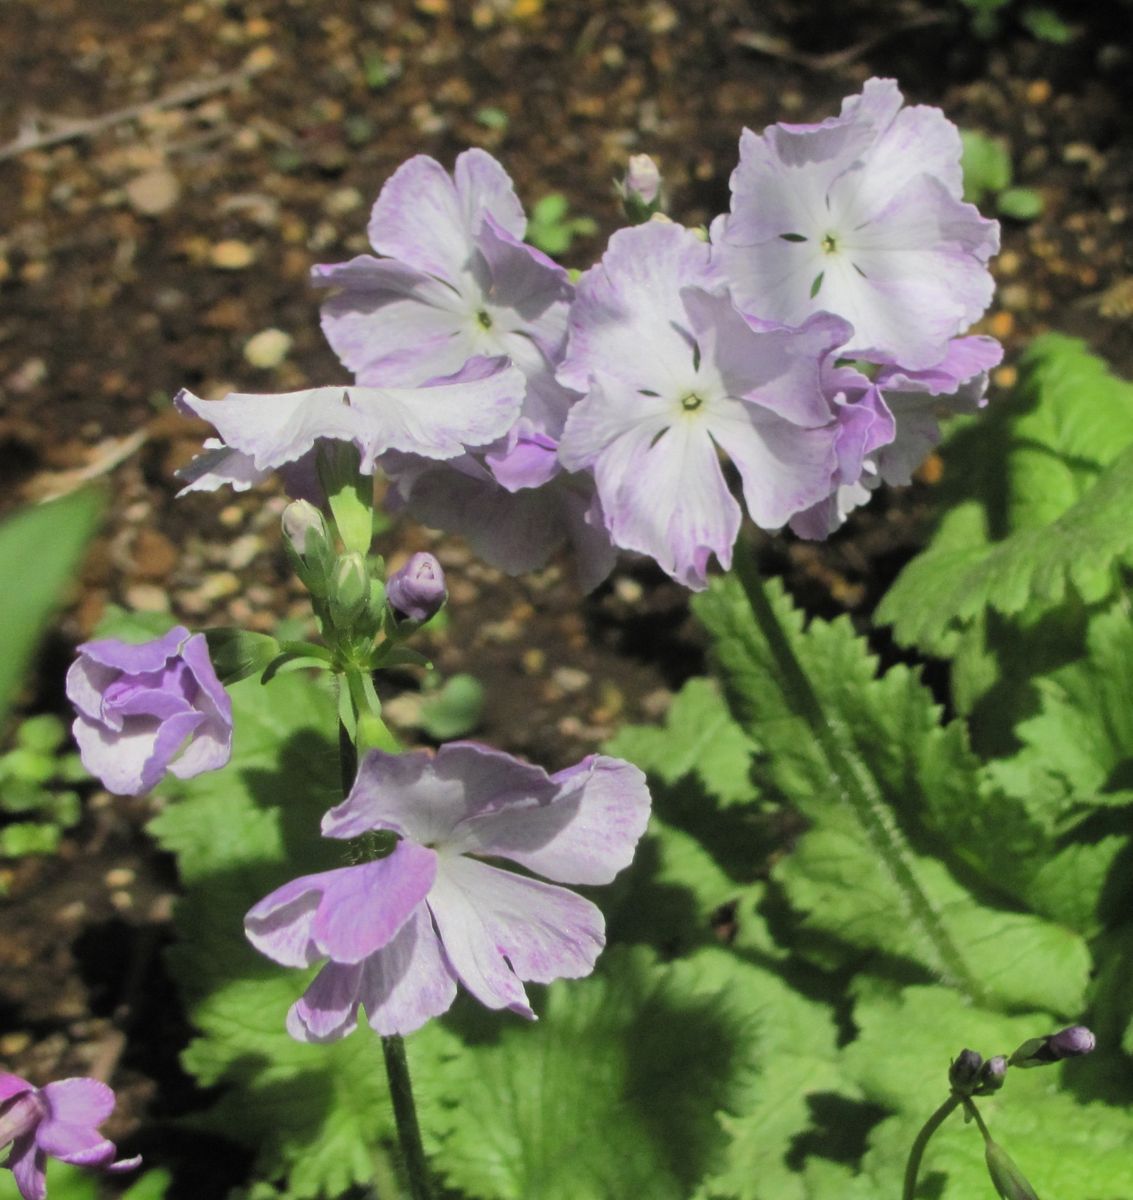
{"x":350,"y":589}
{"x":307,"y":541}
{"x":1071,"y":1042}
{"x":964,"y":1071}
{"x":992,"y":1075}
{"x":643,"y":179}
{"x":417,"y":591}
{"x":641,"y":189}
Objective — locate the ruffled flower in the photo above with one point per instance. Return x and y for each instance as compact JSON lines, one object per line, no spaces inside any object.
{"x":860,"y":215}
{"x":397,"y":934}
{"x":148,"y":708}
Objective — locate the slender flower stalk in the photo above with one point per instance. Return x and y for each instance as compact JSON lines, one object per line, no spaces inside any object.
{"x":913,"y":1166}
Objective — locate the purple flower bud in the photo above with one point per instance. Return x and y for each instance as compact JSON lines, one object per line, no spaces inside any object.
{"x":992,"y":1075}
{"x":59,"y":1121}
{"x":964,"y":1071}
{"x":1071,"y":1042}
{"x":144,"y":709}
{"x":417,"y":591}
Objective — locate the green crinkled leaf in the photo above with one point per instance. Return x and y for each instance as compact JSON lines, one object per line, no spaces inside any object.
{"x":859,"y":875}
{"x":315,"y":1115}
{"x":617,"y":1090}
{"x":1068,"y":1150}
{"x":1036,"y":502}
{"x":41,"y":549}
{"x":700,"y":738}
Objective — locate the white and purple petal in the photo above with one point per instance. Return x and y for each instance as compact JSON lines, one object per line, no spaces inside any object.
{"x":498,"y":929}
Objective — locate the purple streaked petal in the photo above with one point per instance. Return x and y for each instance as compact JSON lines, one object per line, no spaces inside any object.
{"x":328,"y":1009}
{"x":530,"y":462}
{"x":217,"y":466}
{"x":28,"y":1164}
{"x":345,"y":914}
{"x":498,"y":928}
{"x":780,"y":369}
{"x":628,"y":320}
{"x":784,"y":468}
{"x":658,"y":477}
{"x":131,"y":761}
{"x":277,"y":429}
{"x":586,"y":833}
{"x":427,"y":219}
{"x":13,"y":1085}
{"x":424,"y":796}
{"x":392,"y":325}
{"x":409,"y":981}
{"x":136,"y":658}
{"x":472,"y":408}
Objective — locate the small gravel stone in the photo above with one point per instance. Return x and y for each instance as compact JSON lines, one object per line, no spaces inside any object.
{"x":153,"y":192}
{"x":232,"y":255}
{"x":570,"y":679}
{"x":119,"y":877}
{"x":268,"y":348}
{"x":147,"y":597}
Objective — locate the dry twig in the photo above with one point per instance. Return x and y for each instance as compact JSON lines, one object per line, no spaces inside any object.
{"x":37,"y":132}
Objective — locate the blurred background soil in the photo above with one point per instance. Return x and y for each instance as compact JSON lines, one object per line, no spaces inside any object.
{"x":168,"y":175}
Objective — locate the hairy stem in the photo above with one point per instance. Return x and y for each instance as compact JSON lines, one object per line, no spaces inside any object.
{"x":405,"y":1114}
{"x":854,"y":783}
{"x":916,"y":1153}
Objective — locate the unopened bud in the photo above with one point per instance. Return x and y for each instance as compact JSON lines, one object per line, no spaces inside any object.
{"x":641,"y":189}
{"x":417,"y":591}
{"x":308,"y":543}
{"x":643,"y":178}
{"x":964,"y":1071}
{"x":992,"y":1075}
{"x":350,"y":589}
{"x":1071,"y":1042}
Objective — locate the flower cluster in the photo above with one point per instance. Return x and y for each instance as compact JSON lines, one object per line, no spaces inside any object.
{"x":815,"y":341}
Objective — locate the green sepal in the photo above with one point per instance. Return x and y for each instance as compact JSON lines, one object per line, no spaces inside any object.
{"x":239,"y":653}
{"x":293,"y":656}
{"x":391,"y":656}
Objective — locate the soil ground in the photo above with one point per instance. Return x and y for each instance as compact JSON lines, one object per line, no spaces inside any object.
{"x":169,"y":172}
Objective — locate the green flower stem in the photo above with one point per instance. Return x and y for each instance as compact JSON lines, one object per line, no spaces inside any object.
{"x":913,"y":1166}
{"x":393,"y":1048}
{"x":855,"y":785}
{"x":405,"y":1114}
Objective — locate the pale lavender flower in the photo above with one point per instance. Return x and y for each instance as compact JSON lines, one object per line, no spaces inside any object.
{"x":400,"y":932}
{"x":456,"y":282}
{"x":147,"y":708}
{"x":437,"y":420}
{"x":672,"y":372}
{"x":57,"y":1121}
{"x":860,"y":215}
{"x":417,"y":590}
